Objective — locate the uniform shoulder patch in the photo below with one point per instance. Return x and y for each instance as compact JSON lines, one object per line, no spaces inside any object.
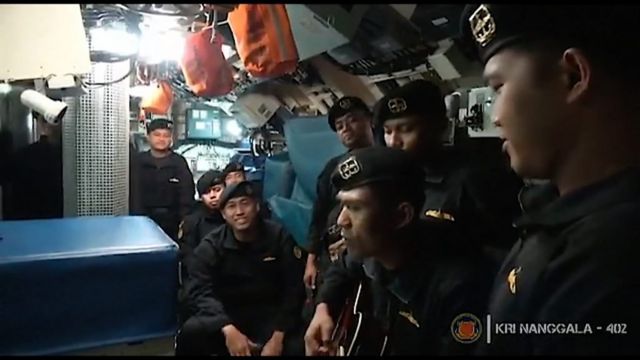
{"x":439,"y":215}
{"x":297,"y":252}
{"x":180,"y":230}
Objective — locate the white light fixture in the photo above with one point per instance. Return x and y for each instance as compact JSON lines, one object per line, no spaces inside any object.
{"x":227,"y":51}
{"x":233,"y":128}
{"x":114,"y":40}
{"x":140,"y":91}
{"x":156,"y":47}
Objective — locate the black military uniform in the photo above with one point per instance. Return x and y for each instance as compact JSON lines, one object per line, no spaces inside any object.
{"x":483,"y":204}
{"x":202,"y":220}
{"x":322,"y":231}
{"x":35,"y":177}
{"x":575,"y":264}
{"x":166,"y":186}
{"x":417,"y":304}
{"x":255,"y":286}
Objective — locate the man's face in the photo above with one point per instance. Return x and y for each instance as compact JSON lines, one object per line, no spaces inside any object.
{"x":160,"y":139}
{"x":235,"y":178}
{"x":354,"y":129}
{"x":211,"y":198}
{"x":365,"y":223}
{"x":241,"y":212}
{"x":411,"y":134}
{"x":530,"y":110}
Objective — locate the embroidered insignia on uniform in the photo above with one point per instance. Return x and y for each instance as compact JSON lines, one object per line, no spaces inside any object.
{"x":512,"y":279}
{"x":345,"y":103}
{"x":483,"y":26}
{"x":180,"y":231}
{"x":439,"y":215}
{"x":174,"y":180}
{"x":297,"y":252}
{"x":409,"y":316}
{"x":268,"y":258}
{"x":397,"y":105}
{"x":348,"y":168}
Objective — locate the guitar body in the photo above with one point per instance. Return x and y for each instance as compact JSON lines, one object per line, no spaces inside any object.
{"x":357,"y":332}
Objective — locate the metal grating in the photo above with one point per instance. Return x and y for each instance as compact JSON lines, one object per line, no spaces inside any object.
{"x":96,"y":145}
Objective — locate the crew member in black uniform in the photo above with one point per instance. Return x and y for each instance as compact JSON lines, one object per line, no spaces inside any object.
{"x":35,"y":175}
{"x":481,"y":203}
{"x":419,"y":289}
{"x":565,"y":79}
{"x":244,"y":285}
{"x":206,"y":217}
{"x":234,"y":173}
{"x":351,"y":119}
{"x":165,"y":182}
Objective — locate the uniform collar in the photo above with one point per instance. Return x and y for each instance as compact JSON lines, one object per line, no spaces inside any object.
{"x":620,"y":188}
{"x":210,"y":215}
{"x":229,"y":240}
{"x":406,"y":281}
{"x":439,"y":166}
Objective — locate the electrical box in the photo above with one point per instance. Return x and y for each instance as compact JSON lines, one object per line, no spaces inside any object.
{"x":322,"y":27}
{"x":41,"y":40}
{"x":254,"y":110}
{"x":479,"y":107}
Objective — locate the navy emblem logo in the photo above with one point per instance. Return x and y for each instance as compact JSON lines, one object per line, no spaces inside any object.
{"x":345,"y":103}
{"x":349,"y":168}
{"x":466,"y":328}
{"x":483,"y":26}
{"x":397,"y":105}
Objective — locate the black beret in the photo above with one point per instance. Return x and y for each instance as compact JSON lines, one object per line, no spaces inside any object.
{"x":156,"y":124}
{"x":420,"y":98}
{"x":209,"y":179}
{"x":244,"y":188}
{"x":377,"y":164}
{"x":344,"y":106}
{"x":493,"y":27}
{"x":232,"y":167}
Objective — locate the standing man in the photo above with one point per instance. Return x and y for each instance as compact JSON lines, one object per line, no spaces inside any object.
{"x":565,"y":79}
{"x":482,"y":205}
{"x":351,"y":119}
{"x":244,"y":285}
{"x":165,"y":181}
{"x":420,"y":281}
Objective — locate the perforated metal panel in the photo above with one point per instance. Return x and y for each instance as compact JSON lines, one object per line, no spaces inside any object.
{"x":96,"y":145}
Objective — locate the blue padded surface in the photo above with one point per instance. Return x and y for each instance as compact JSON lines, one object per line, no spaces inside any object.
{"x":278,"y":176}
{"x":77,"y":283}
{"x":310,"y":143}
{"x":294,"y":216}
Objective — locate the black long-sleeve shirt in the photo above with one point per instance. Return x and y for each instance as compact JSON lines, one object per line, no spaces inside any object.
{"x":255,"y":286}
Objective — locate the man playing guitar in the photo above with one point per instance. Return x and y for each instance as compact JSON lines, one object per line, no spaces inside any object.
{"x":418,"y":281}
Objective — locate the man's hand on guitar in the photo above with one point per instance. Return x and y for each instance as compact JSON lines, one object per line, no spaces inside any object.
{"x":273,"y":347}
{"x":310,"y":272}
{"x":336,"y":249}
{"x":317,"y":340}
{"x":237,"y":343}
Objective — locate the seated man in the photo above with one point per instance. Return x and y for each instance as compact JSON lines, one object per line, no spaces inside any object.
{"x":420,"y":280}
{"x":244,"y":285}
{"x":234,"y":173}
{"x":206,"y":216}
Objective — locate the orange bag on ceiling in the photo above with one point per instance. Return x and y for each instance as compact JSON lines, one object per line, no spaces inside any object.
{"x":264,"y":40}
{"x":206,"y":71}
{"x":159,"y":99}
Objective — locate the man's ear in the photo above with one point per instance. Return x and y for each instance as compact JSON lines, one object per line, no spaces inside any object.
{"x":257,"y":204}
{"x":405,"y":213}
{"x":577,"y":71}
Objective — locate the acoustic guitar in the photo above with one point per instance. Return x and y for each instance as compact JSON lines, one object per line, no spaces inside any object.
{"x":357,"y":332}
